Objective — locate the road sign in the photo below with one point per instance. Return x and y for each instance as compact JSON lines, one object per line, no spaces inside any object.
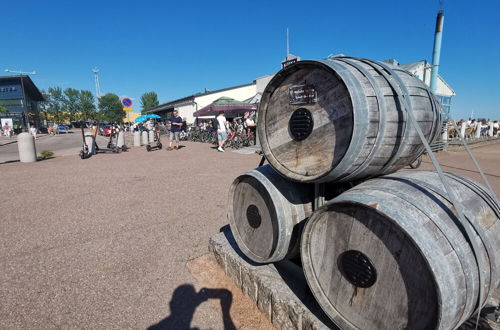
{"x":127,"y":109}
{"x":127,"y":102}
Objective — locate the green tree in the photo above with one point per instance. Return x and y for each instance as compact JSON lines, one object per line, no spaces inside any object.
{"x":72,"y":102}
{"x":86,"y":105}
{"x":149,"y":100}
{"x":3,"y":109}
{"x":110,"y":108}
{"x":55,"y":103}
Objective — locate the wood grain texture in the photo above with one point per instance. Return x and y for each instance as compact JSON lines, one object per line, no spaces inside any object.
{"x":428,"y":277}
{"x":360,"y":124}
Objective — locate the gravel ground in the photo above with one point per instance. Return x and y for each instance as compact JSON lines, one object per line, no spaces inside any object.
{"x":103,"y":242}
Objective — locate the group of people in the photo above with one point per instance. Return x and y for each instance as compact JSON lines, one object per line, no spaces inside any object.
{"x":223,"y":128}
{"x":472,"y":128}
{"x":8,"y":131}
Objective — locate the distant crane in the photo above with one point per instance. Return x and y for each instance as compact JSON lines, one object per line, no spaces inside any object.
{"x":97,"y":86}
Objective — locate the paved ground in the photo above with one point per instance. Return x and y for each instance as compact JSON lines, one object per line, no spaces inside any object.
{"x":63,"y":144}
{"x":103,"y":242}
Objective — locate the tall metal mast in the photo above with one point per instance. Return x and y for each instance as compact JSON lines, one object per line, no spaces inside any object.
{"x":97,"y":86}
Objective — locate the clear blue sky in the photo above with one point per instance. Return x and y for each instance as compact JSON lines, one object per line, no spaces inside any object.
{"x":181,"y":47}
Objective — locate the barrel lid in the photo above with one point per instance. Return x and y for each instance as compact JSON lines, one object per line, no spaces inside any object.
{"x":306,"y":120}
{"x":255,"y":219}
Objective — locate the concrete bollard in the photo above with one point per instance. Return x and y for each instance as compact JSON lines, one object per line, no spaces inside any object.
{"x":151,"y":136}
{"x":144,"y":139}
{"x":444,"y":136}
{"x":137,"y":139}
{"x":26,"y":147}
{"x":478,"y":130}
{"x":120,"y":141}
{"x":462,"y":130}
{"x":89,"y":140}
{"x":490,"y":130}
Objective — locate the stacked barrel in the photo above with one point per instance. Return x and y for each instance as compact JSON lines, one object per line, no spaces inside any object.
{"x":387,"y":251}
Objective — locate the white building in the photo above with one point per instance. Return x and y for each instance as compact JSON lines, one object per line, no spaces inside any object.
{"x":186,"y":106}
{"x":422,"y":70}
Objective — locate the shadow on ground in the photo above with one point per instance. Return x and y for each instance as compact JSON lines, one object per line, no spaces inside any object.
{"x":183,"y":305}
{"x":293,"y":276}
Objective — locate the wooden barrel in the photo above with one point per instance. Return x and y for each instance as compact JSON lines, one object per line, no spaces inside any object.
{"x":344,"y":119}
{"x":391,"y":254}
{"x":265,"y":212}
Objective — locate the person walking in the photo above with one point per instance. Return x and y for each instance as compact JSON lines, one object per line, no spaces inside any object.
{"x":33,"y":131}
{"x":175,"y":128}
{"x":6,"y":130}
{"x":221,"y":130}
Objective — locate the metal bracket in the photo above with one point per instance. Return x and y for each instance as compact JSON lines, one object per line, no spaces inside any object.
{"x":319,"y":195}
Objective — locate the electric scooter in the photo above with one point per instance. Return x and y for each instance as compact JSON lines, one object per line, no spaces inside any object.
{"x":84,"y":153}
{"x":115,"y":131}
{"x":111,"y":147}
{"x":156,"y":144}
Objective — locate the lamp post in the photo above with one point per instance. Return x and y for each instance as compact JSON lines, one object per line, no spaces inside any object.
{"x":25,"y":105}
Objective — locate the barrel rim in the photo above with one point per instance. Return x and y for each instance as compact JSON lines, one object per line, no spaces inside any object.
{"x":281,"y":249}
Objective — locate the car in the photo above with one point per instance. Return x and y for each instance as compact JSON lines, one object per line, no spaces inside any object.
{"x":64,"y":128}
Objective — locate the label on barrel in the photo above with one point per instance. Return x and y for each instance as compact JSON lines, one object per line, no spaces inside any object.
{"x":302,"y":94}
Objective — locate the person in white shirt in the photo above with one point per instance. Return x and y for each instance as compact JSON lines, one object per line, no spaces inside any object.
{"x":221,"y":130}
{"x":33,"y":131}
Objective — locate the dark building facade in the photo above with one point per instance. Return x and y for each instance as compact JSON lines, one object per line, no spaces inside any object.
{"x":21,"y":97}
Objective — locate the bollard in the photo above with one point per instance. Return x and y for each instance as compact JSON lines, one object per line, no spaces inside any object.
{"x":144,"y":139}
{"x":89,"y":140}
{"x":137,"y":139}
{"x":490,"y":130}
{"x":26,"y":147}
{"x":444,"y":136}
{"x":151,"y":136}
{"x":120,"y":141}
{"x":478,"y":130}
{"x":462,"y":130}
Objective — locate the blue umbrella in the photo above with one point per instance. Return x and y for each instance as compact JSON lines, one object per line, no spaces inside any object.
{"x":140,"y":119}
{"x":152,"y":115}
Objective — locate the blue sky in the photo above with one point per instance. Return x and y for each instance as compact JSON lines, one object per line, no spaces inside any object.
{"x":179,"y":48}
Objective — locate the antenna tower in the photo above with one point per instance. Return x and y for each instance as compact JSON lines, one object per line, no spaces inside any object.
{"x":97,"y":86}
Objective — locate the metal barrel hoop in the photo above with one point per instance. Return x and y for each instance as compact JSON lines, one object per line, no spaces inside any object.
{"x":382,"y":113}
{"x":458,"y":206}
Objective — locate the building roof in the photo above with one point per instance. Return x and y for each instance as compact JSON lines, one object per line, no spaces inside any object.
{"x":226,"y":104}
{"x":187,"y":99}
{"x":29,"y":86}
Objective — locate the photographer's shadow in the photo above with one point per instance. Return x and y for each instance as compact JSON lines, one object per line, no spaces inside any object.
{"x":184,"y":302}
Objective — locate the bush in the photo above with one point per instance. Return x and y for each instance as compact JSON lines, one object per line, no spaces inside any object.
{"x":46,"y":154}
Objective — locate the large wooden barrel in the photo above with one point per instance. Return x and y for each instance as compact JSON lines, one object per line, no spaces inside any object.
{"x":265,"y":212}
{"x":391,"y":254}
{"x":344,"y":119}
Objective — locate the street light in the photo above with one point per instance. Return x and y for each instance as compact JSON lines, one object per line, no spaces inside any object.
{"x":20,"y":72}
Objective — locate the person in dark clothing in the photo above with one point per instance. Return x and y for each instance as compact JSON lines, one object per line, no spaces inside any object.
{"x":175,"y":128}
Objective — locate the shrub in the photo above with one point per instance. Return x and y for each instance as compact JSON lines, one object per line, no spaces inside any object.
{"x":46,"y":154}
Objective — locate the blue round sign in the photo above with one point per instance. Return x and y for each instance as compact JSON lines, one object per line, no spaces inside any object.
{"x":127,"y":102}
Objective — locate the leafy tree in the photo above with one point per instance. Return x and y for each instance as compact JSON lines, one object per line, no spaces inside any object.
{"x":110,"y":108}
{"x":86,"y":105}
{"x":149,"y":100}
{"x":3,"y":109}
{"x":55,"y":103}
{"x":71,"y":102}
